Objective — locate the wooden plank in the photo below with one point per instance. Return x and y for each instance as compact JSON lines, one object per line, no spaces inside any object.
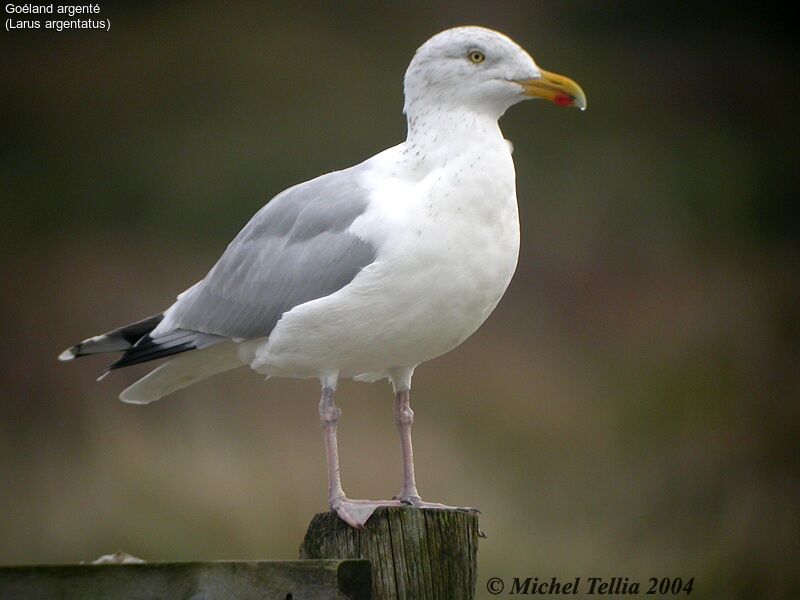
{"x":224,"y":580}
{"x":416,"y":554}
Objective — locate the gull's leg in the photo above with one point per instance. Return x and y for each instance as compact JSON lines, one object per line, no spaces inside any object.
{"x":329,"y":415}
{"x":353,"y":512}
{"x":404,"y":419}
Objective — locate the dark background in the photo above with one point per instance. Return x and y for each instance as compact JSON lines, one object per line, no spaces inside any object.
{"x":631,"y":408}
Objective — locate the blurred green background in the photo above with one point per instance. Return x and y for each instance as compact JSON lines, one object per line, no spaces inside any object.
{"x":631,"y":408}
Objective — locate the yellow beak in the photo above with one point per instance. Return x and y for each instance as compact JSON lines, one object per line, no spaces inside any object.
{"x":555,"y":88}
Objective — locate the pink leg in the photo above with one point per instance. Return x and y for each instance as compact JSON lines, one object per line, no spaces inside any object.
{"x":353,"y":512}
{"x":329,"y":415}
{"x":404,"y":419}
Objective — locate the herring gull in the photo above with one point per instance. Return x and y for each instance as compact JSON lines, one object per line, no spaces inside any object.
{"x":369,"y":271}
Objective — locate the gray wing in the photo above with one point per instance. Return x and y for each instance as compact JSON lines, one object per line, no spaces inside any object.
{"x":295,"y":249}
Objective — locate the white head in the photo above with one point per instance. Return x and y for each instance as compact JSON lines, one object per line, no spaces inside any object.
{"x":480,"y":70}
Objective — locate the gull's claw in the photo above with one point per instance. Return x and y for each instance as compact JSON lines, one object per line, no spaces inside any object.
{"x":418,"y":502}
{"x":356,"y":513}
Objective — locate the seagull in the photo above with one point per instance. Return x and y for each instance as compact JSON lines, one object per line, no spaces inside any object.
{"x":367,"y":272}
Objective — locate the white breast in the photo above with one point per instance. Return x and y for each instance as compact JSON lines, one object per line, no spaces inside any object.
{"x":448,"y":240}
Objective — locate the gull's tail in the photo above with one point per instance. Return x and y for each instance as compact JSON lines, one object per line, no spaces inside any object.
{"x":181,"y":371}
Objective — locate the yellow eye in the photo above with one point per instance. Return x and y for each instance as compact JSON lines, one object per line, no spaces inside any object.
{"x":476,"y":56}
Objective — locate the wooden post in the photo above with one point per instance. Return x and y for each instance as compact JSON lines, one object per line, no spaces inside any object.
{"x":242,"y":580}
{"x":416,"y":554}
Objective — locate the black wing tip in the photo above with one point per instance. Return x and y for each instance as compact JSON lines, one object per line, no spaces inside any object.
{"x":147,"y":352}
{"x":116,"y":340}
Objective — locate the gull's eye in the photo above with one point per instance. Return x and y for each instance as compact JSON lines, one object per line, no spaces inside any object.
{"x":476,"y":56}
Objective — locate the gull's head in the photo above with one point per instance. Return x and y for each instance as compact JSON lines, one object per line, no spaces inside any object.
{"x":482,"y":70}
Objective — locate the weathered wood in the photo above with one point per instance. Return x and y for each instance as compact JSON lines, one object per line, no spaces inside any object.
{"x":416,"y":554}
{"x":240,"y":580}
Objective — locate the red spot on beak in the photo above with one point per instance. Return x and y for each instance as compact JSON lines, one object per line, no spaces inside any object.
{"x":563,"y":100}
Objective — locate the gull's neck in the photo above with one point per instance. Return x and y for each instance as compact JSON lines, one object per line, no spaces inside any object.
{"x":436,"y":135}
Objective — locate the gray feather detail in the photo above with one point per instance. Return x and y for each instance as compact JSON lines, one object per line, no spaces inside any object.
{"x":294,"y":250}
